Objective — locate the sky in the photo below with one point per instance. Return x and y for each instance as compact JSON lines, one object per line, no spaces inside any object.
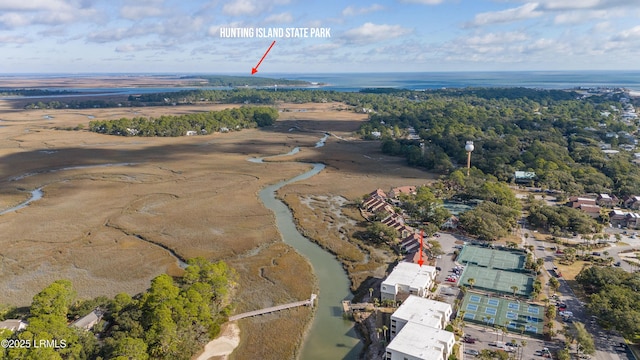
{"x":184,"y":36}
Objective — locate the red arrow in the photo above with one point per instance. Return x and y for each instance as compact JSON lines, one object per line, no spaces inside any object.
{"x":255,"y":69}
{"x":420,"y":261}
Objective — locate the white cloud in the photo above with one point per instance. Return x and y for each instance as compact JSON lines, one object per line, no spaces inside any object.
{"x":250,"y":7}
{"x":14,"y":20}
{"x":352,"y":10}
{"x":526,"y":11}
{"x":136,"y":12}
{"x":283,"y":18}
{"x":497,"y":38}
{"x":582,"y":16}
{"x":628,"y":34}
{"x":371,"y":33}
{"x":118,"y":34}
{"x":214,"y":30}
{"x":240,"y":7}
{"x":34,"y":5}
{"x":585,"y":4}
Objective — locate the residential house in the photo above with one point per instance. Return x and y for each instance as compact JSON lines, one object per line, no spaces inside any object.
{"x":432,"y":313}
{"x":410,"y":243}
{"x":13,"y":325}
{"x":632,"y":202}
{"x":618,"y":218}
{"x":576,"y":201}
{"x":607,"y":200}
{"x":88,"y":321}
{"x":376,"y":204}
{"x":633,"y":220}
{"x":420,"y":342}
{"x":408,"y":279}
{"x":591,"y":210}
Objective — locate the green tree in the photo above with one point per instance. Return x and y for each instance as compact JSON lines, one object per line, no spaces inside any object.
{"x":55,"y":299}
{"x":584,"y":339}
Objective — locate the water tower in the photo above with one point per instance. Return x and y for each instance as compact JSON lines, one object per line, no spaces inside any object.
{"x":469,"y":148}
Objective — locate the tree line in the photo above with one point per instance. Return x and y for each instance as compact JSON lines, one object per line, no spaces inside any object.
{"x":173,"y":319}
{"x":179,"y":125}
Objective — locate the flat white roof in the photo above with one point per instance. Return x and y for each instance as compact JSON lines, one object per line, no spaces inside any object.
{"x":421,"y":341}
{"x":423,"y":311}
{"x":413,"y":275}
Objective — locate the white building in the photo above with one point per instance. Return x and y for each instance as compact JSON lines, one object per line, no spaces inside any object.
{"x":422,"y":311}
{"x":13,"y":325}
{"x":408,"y":278}
{"x":419,"y":342}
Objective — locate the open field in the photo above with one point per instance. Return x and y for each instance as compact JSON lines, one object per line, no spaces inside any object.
{"x":116,"y":211}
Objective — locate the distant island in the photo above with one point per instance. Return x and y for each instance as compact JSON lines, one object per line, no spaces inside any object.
{"x":35,"y":92}
{"x":235,"y":81}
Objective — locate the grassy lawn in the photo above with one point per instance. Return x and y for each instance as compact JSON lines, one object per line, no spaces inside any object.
{"x":569,"y":273}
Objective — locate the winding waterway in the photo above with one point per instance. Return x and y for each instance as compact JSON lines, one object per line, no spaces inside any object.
{"x":330,"y":336}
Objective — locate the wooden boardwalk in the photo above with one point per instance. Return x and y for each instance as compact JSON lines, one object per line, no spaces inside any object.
{"x":308,"y":302}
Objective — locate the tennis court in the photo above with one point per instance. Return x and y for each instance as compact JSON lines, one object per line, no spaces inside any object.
{"x":499,"y":271}
{"x":491,"y":258}
{"x":518,"y":316}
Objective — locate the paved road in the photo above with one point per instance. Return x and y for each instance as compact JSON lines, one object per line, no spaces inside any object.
{"x":604,"y":341}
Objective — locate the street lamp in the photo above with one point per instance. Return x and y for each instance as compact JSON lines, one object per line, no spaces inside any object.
{"x":469,"y":148}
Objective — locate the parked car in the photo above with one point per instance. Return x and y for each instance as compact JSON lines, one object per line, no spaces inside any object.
{"x":595,"y":253}
{"x":472,"y":352}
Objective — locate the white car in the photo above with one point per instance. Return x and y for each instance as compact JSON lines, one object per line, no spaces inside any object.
{"x":472,"y":352}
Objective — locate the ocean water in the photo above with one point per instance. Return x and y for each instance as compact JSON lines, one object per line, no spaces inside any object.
{"x":439,"y":80}
{"x":408,"y":80}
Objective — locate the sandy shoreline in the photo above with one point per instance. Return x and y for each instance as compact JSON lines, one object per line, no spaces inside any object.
{"x":224,"y":344}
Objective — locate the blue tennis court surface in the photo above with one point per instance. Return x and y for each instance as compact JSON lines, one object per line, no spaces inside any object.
{"x":521,"y":317}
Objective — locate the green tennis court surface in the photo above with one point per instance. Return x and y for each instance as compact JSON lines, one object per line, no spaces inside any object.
{"x":498,"y":271}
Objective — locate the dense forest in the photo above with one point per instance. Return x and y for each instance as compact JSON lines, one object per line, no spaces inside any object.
{"x":188,"y":124}
{"x":553,"y":133}
{"x":173,"y":319}
{"x":614,"y":298}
